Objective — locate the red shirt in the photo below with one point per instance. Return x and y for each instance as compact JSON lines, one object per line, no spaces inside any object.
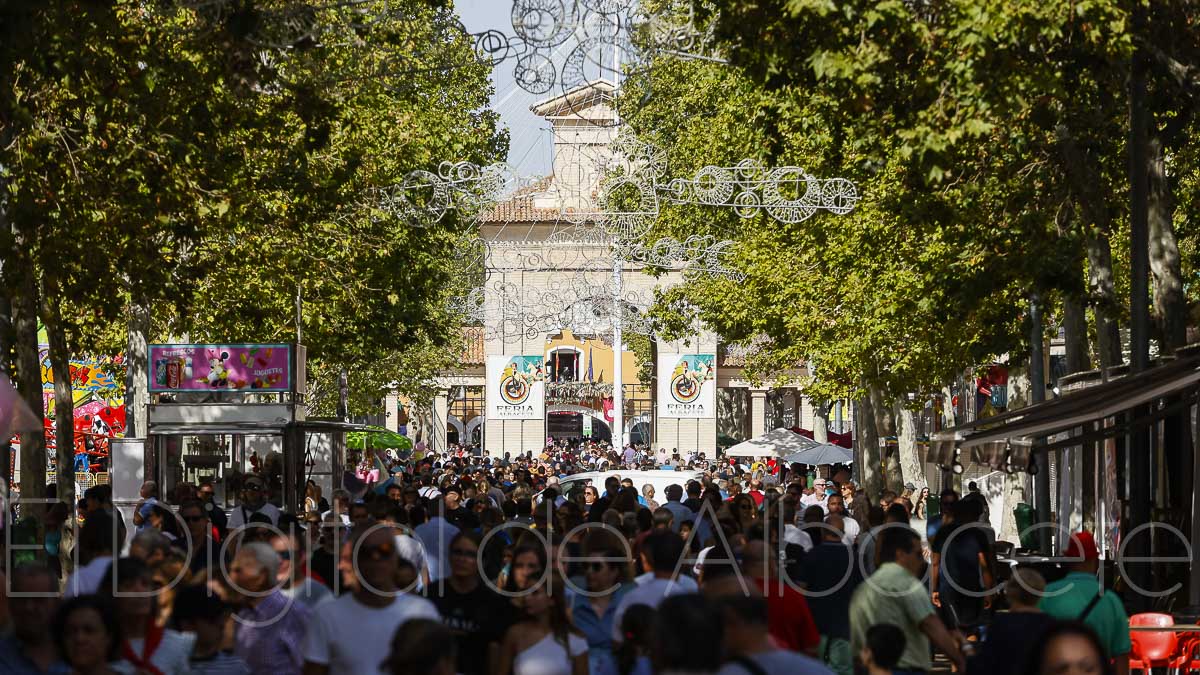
{"x":789,"y":620}
{"x":757,"y":497}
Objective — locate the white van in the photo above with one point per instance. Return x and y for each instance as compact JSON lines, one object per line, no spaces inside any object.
{"x":659,"y":479}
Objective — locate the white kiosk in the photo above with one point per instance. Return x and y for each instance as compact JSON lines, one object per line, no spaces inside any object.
{"x":220,"y":412}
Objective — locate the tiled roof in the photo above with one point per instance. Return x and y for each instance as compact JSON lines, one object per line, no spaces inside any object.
{"x":521,"y":210}
{"x":730,"y":359}
{"x":473,"y":346}
{"x":540,"y":185}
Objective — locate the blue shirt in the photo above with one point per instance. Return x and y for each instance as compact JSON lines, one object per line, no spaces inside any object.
{"x":14,"y":662}
{"x":597,"y":629}
{"x":679,"y":513}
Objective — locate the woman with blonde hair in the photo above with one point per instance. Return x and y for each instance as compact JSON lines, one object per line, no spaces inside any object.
{"x":312,"y":498}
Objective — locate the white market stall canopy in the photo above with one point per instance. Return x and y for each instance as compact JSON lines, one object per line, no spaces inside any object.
{"x":777,"y":443}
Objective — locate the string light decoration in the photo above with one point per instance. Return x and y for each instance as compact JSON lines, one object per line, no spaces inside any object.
{"x":570,"y":45}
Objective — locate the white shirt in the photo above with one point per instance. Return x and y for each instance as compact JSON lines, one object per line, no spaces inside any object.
{"x":435,"y":536}
{"x":173,"y":656}
{"x":815,"y":500}
{"x":238,"y":518}
{"x":651,"y":593}
{"x":411,"y":549}
{"x":354,"y":639}
{"x":548,"y":657}
{"x":86,"y":579}
{"x":851,"y":528}
{"x":795,"y":535}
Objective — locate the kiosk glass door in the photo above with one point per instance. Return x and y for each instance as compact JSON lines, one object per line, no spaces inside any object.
{"x":223,"y":459}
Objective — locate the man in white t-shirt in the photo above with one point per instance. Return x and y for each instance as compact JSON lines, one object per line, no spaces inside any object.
{"x":662,"y":552}
{"x":352,"y":635}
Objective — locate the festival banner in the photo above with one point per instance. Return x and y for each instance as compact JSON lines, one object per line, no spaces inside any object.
{"x":687,"y":386}
{"x":516,"y":388}
{"x":240,"y":367}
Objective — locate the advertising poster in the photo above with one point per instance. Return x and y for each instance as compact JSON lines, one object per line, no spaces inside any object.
{"x":687,"y":386}
{"x":263,"y":368}
{"x":516,"y":387}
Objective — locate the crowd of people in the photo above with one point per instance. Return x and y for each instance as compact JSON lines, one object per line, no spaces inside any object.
{"x":481,"y":566}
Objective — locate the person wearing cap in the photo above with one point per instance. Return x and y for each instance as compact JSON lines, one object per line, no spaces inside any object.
{"x":1079,"y":597}
{"x":254,"y":500}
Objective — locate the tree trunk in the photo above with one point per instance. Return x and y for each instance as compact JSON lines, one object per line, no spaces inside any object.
{"x":1104,"y":302}
{"x":64,"y":396}
{"x":29,"y":372}
{"x":137,"y":368}
{"x":1075,"y":331}
{"x":820,"y":421}
{"x":885,"y":427}
{"x":866,"y":449}
{"x":6,"y":353}
{"x":1017,"y":488}
{"x":1170,"y":304}
{"x":1087,"y":188}
{"x":911,"y":470}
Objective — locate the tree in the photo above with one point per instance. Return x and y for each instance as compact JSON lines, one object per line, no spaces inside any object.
{"x":220,"y":154}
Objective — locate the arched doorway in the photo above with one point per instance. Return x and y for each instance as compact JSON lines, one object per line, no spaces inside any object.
{"x":573,"y":422}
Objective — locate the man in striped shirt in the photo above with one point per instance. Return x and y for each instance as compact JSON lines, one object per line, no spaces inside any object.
{"x":271,"y":626}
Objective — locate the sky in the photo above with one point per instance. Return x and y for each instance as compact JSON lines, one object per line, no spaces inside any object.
{"x":530,"y":146}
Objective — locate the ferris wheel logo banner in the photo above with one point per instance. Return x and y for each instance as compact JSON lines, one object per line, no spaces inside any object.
{"x":687,"y":385}
{"x":516,"y":387}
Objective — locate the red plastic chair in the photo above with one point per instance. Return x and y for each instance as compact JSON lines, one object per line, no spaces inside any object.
{"x":1155,"y":649}
{"x":1189,"y":645}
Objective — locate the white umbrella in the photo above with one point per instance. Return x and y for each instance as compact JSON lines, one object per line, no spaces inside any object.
{"x":777,"y":443}
{"x":820,"y":455}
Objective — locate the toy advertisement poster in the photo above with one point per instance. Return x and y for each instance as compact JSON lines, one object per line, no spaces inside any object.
{"x":262,"y":368}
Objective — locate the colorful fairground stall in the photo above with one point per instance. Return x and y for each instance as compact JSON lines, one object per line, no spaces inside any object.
{"x":220,"y":412}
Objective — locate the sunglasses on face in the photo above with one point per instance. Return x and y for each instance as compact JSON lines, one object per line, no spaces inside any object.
{"x":194,"y":519}
{"x":463,"y":552}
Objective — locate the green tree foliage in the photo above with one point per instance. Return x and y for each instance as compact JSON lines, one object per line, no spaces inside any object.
{"x":210,"y":161}
{"x":987,"y":139}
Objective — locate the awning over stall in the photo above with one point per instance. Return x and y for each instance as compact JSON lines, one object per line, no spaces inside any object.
{"x":1015,"y":430}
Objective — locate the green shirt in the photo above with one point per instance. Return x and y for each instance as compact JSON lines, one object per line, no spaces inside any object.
{"x":1067,"y":599}
{"x":893,"y":595}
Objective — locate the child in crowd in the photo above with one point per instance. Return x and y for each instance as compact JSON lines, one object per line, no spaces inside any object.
{"x":197,"y":610}
{"x":885,"y":646}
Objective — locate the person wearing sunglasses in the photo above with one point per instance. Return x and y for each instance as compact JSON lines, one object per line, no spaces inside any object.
{"x":294,"y":579}
{"x":254,"y":501}
{"x":476,"y":615}
{"x":352,"y":634}
{"x":206,"y":493}
{"x":606,"y":570}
